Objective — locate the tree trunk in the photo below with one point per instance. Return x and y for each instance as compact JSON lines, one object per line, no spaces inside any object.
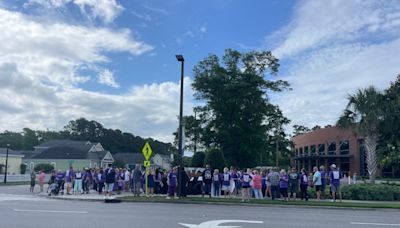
{"x":370,"y":147}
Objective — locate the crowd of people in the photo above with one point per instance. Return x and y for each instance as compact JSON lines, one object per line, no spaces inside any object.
{"x":229,"y":183}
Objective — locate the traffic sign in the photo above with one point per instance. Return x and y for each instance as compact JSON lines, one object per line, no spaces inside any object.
{"x":146,"y":164}
{"x":147,"y":151}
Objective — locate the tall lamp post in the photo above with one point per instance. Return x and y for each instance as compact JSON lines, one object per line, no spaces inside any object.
{"x":5,"y":173}
{"x":180,"y":134}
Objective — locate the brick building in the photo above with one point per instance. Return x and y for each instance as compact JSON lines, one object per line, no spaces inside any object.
{"x":328,"y":146}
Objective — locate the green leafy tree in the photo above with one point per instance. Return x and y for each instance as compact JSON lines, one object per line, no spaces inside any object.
{"x":119,"y":163}
{"x":234,"y":117}
{"x":46,"y":167}
{"x":389,"y":138}
{"x":198,"y":159}
{"x":215,"y":158}
{"x":363,"y":114}
{"x":299,"y":129}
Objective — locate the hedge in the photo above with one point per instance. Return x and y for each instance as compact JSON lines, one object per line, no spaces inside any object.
{"x":375,"y":192}
{"x":47,"y":168}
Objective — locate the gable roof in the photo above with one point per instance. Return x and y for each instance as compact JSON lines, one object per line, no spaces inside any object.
{"x":68,"y":149}
{"x":64,"y":142}
{"x":3,"y":151}
{"x":129,"y":158}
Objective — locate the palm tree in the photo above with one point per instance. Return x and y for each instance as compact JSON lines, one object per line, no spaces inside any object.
{"x":363,"y":115}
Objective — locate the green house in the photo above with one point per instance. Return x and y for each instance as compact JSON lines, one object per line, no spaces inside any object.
{"x":65,"y":153}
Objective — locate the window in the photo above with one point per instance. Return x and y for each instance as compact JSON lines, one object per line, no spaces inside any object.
{"x":332,"y":148}
{"x":301,"y":151}
{"x":344,"y":147}
{"x":306,"y":151}
{"x":321,"y":149}
{"x":313,"y":149}
{"x":345,"y":165}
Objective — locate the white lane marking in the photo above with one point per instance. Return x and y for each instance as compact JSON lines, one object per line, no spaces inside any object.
{"x":12,"y":197}
{"x":216,"y":223}
{"x":51,"y":211}
{"x":373,"y":224}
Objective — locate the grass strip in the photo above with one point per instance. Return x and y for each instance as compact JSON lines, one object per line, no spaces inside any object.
{"x":265,"y":202}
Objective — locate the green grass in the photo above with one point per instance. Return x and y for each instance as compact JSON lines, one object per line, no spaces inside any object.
{"x":265,"y":202}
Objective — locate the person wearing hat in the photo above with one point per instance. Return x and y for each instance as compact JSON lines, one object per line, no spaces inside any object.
{"x":334,"y":176}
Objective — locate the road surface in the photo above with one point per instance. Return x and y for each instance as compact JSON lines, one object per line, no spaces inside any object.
{"x":25,"y":211}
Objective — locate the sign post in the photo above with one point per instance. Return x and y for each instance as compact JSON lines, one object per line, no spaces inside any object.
{"x":146,"y":153}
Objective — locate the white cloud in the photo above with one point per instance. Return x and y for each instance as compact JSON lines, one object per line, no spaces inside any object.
{"x":54,"y":52}
{"x":106,"y":77}
{"x":332,"y":48}
{"x":106,"y":10}
{"x":157,"y":10}
{"x":39,"y":79}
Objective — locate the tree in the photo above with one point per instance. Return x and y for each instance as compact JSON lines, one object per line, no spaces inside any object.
{"x":234,"y":117}
{"x":299,"y":129}
{"x":47,"y":168}
{"x":119,"y":163}
{"x":198,"y":159}
{"x":363,"y":114}
{"x":215,"y":159}
{"x":22,"y":168}
{"x":389,"y":137}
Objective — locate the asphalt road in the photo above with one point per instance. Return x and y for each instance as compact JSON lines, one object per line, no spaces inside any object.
{"x":30,"y":211}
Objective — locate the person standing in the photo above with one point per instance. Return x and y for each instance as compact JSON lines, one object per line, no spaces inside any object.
{"x":127,"y":178}
{"x":110,"y":180}
{"x":323,"y":180}
{"x":257,"y":185}
{"x":136,"y":180}
{"x":207,"y":180}
{"x":226,"y":181}
{"x":246,"y":179}
{"x":60,"y":178}
{"x":317,"y":182}
{"x":216,"y":183}
{"x":69,"y":178}
{"x":273,"y":178}
{"x":184,"y":182}
{"x":33,"y":181}
{"x":263,"y":183}
{"x":303,"y":185}
{"x":334,"y":176}
{"x":78,"y":183}
{"x":101,"y":178}
{"x":41,"y":180}
{"x":293,"y":183}
{"x":283,"y":184}
{"x":172,"y":183}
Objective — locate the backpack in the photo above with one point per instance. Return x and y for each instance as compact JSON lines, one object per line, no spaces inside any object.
{"x":207,"y":174}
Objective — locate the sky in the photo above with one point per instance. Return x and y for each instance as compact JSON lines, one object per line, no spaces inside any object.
{"x":113,"y":61}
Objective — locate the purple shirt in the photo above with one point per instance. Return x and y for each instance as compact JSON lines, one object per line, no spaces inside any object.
{"x":323,"y":177}
{"x":335,"y":177}
{"x":303,"y":179}
{"x":60,"y":176}
{"x":172,"y":179}
{"x":246,"y":178}
{"x":283,"y":183}
{"x":70,"y":173}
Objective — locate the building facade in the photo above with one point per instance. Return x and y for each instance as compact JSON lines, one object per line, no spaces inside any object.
{"x":328,"y":146}
{"x":13,"y":163}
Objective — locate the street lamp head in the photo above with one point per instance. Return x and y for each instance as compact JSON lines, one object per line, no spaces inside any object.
{"x":8,"y":145}
{"x":180,"y":58}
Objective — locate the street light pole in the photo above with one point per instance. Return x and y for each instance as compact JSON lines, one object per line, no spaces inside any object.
{"x":5,"y":173}
{"x":180,"y":133}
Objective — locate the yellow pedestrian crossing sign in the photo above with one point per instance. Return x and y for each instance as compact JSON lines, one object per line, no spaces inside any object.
{"x":146,"y":164}
{"x":147,"y":151}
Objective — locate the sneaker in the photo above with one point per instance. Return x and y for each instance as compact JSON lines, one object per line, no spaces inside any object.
{"x":168,"y":197}
{"x":176,"y":197}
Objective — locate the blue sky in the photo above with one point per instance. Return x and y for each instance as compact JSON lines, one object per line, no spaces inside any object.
{"x":113,"y":61}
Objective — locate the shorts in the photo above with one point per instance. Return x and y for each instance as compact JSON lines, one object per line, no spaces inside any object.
{"x":225,"y":188}
{"x":318,"y":188}
{"x":293,"y":188}
{"x":323,"y":188}
{"x":69,"y":184}
{"x":109,"y":187}
{"x":335,"y":188}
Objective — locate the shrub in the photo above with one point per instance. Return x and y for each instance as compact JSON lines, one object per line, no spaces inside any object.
{"x":47,"y":168}
{"x":22,"y":167}
{"x":378,"y":192}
